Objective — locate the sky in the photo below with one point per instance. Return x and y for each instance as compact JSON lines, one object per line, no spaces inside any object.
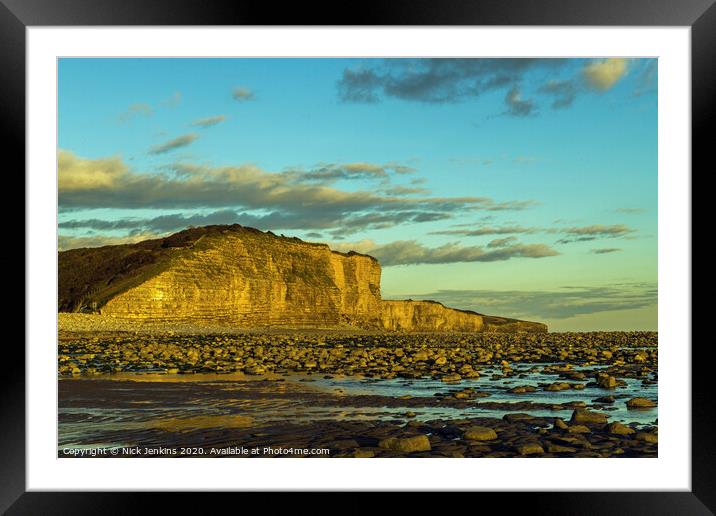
{"x":515,"y":187}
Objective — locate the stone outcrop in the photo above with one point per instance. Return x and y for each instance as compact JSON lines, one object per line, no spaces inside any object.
{"x":248,"y":278}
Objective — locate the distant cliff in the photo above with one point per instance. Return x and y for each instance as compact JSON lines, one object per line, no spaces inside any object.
{"x":248,"y":278}
{"x":427,"y":316}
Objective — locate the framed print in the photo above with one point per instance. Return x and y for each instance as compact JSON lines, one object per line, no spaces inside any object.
{"x":435,"y":250}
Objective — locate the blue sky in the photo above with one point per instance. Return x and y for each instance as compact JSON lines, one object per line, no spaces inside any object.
{"x":523,"y":188}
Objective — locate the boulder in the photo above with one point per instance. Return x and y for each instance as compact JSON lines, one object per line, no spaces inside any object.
{"x":607,"y":382}
{"x":480,"y":433}
{"x":558,"y":386}
{"x":637,"y":403}
{"x":530,"y":449}
{"x":416,"y":443}
{"x":558,"y":423}
{"x":520,"y":389}
{"x":647,"y":437}
{"x":582,"y":416}
{"x":617,"y":428}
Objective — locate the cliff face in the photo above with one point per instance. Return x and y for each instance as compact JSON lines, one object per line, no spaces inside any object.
{"x":247,"y":278}
{"x":427,"y":316}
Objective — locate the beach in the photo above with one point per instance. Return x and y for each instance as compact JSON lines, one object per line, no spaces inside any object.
{"x":323,"y":393}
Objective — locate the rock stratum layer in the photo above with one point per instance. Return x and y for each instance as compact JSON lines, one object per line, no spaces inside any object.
{"x":247,"y":278}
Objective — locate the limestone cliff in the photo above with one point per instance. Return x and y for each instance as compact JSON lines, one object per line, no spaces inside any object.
{"x":433,"y":316}
{"x":234,"y":274}
{"x":427,"y":316}
{"x":248,"y":278}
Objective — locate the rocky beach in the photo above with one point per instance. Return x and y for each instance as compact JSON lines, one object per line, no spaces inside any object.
{"x":183,"y":392}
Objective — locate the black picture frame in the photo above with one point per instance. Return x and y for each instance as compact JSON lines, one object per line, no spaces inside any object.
{"x":17,"y":15}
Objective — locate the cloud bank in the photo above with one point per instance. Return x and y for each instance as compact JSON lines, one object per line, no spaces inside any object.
{"x":434,"y":80}
{"x":411,"y":252}
{"x":246,"y":194}
{"x":442,"y":81}
{"x":571,"y":234}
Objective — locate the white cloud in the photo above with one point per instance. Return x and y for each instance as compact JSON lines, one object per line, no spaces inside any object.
{"x":601,"y":75}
